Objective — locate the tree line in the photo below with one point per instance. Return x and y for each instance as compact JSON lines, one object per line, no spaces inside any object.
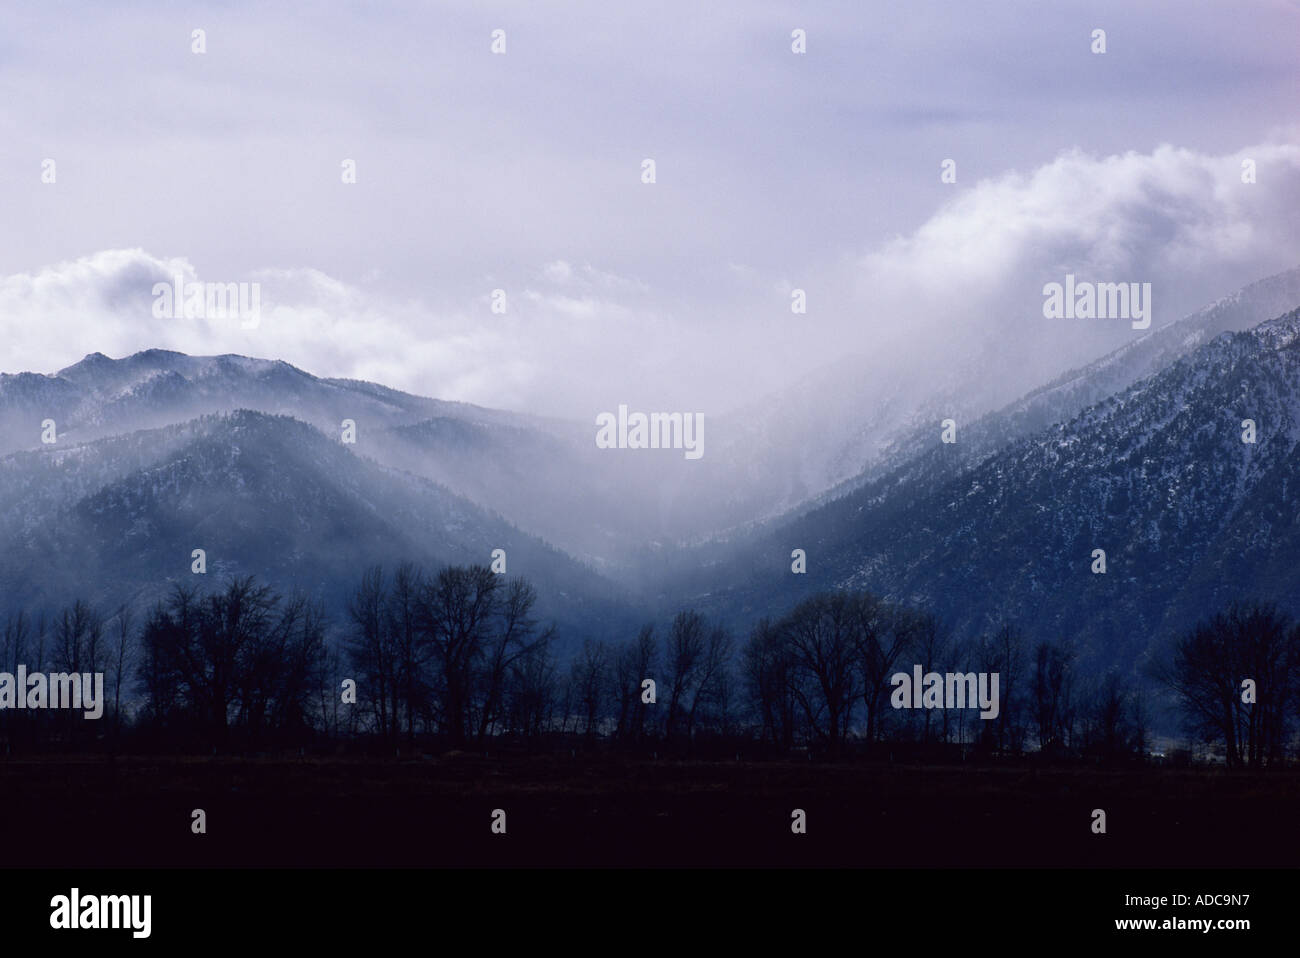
{"x":456,"y":657}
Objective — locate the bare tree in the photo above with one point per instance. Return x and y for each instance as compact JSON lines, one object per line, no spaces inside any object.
{"x":531,"y":693}
{"x":589,"y":676}
{"x":634,"y":662}
{"x":1004,"y":653}
{"x":1213,"y":668}
{"x":13,"y":648}
{"x":881,"y":633}
{"x":1052,"y":692}
{"x":123,"y":661}
{"x":476,"y":629}
{"x":933,"y":650}
{"x":1108,"y":734}
{"x":13,"y":640}
{"x":711,"y":695}
{"x":79,"y":634}
{"x":456,"y":613}
{"x":371,"y":651}
{"x":513,"y":637}
{"x":226,"y":660}
{"x":405,"y":642}
{"x":768,"y":666}
{"x":686,"y":646}
{"x":825,"y":637}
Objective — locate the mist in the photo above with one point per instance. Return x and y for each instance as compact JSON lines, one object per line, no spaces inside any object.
{"x":478,"y":172}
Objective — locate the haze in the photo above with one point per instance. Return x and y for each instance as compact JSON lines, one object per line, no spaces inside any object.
{"x":522,"y":172}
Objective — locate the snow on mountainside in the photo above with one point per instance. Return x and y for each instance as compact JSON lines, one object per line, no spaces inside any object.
{"x":539,"y":474}
{"x":100,"y":396}
{"x":117,"y":520}
{"x":1157,"y":475}
{"x":911,"y":451}
{"x":622,"y":512}
{"x":545,"y":476}
{"x":835,"y":432}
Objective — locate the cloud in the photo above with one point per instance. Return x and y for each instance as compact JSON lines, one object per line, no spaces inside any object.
{"x":558,"y":272}
{"x":104,"y":302}
{"x":970,"y":277}
{"x":961,"y":295}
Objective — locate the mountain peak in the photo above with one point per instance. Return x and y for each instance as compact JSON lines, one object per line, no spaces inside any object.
{"x":156,"y":354}
{"x":89,"y":361}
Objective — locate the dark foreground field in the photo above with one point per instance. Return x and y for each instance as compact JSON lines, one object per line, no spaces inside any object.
{"x":77,"y":812}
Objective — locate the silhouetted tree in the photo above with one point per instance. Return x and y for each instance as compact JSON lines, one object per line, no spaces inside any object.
{"x":476,"y":629}
{"x":827,"y":642}
{"x":1108,"y":731}
{"x":372,"y":652}
{"x":634,"y":662}
{"x":512,"y":636}
{"x":1004,"y":653}
{"x":1052,"y":692}
{"x":686,"y":642}
{"x":933,"y":649}
{"x":122,"y":660}
{"x":882,"y":633}
{"x":589,"y":676}
{"x":234,"y":659}
{"x":1209,"y":669}
{"x":531,"y":693}
{"x":768,"y":666}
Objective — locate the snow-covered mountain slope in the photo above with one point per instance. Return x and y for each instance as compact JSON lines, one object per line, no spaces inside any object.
{"x":912,"y":450}
{"x":119,"y":518}
{"x":100,"y":396}
{"x":1158,"y":476}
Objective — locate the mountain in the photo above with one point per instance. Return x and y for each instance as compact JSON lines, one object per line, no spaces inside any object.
{"x":118,"y":518}
{"x":625,"y":514}
{"x":100,"y":397}
{"x":912,"y":447}
{"x":1157,"y":475}
{"x":539,"y":473}
{"x":544,"y":475}
{"x":160,"y":453}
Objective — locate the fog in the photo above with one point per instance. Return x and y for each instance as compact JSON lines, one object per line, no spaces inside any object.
{"x":522,"y":172}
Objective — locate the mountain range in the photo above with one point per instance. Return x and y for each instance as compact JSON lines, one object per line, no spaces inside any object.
{"x":1001,"y":525}
{"x":1139,"y":454}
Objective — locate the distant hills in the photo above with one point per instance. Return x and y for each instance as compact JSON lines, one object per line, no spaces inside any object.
{"x":117,"y":519}
{"x":1139,"y":454}
{"x":989,"y":529}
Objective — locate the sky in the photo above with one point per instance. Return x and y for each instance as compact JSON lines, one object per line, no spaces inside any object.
{"x":522,"y":171}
